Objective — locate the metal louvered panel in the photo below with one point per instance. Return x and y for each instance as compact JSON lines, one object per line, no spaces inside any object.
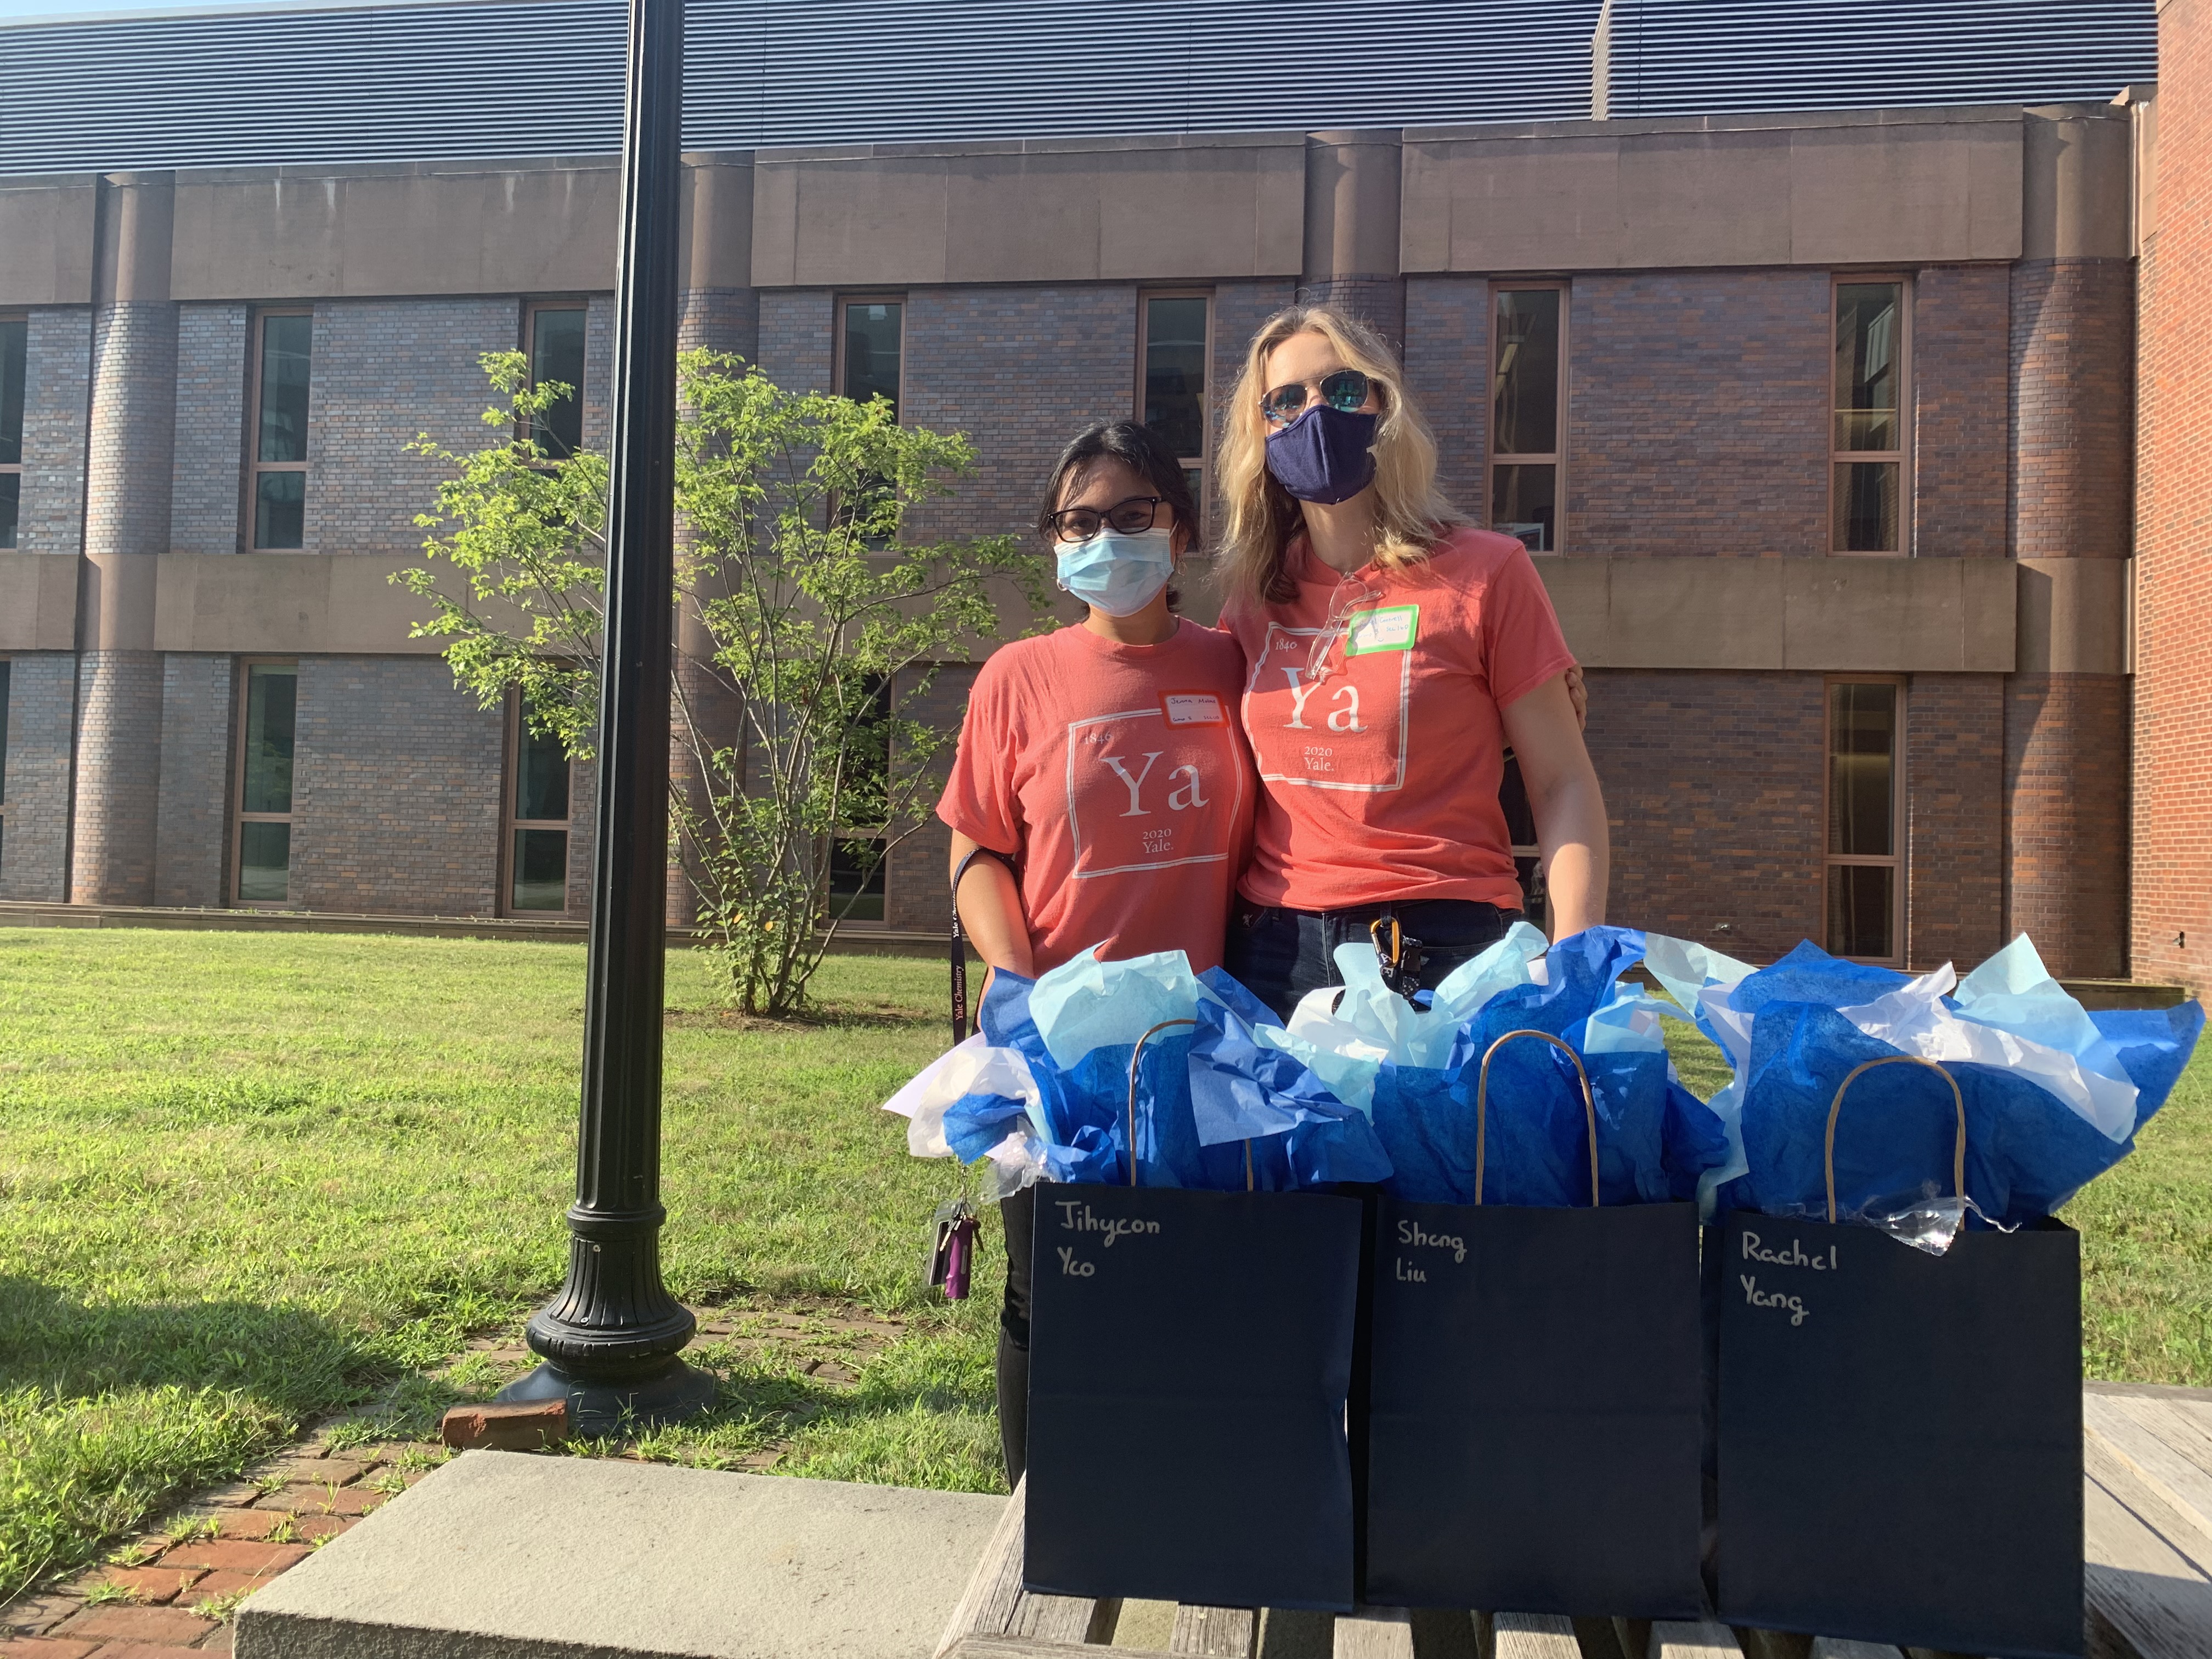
{"x":544,"y":78}
{"x":1707,"y":57}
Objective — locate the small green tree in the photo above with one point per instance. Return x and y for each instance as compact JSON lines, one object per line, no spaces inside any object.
{"x":824,"y":627}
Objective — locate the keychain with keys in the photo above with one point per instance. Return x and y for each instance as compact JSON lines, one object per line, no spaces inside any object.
{"x":1401,"y":958}
{"x":952,"y":1250}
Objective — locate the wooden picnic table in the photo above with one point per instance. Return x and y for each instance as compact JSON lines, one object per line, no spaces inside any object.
{"x":2148,"y":1463}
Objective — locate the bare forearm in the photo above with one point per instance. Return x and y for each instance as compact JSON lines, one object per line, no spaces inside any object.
{"x":991,"y":911}
{"x":1577,"y":853}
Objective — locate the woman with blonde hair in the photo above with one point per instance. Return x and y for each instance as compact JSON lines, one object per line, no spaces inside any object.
{"x":1394,"y":654}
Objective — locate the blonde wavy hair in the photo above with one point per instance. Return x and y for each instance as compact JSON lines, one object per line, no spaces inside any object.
{"x":1411,"y":517}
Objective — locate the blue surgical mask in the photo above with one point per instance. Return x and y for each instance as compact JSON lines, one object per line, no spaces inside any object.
{"x":1117,"y":574}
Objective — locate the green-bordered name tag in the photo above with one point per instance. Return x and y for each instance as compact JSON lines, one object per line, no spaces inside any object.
{"x":1391,"y":629}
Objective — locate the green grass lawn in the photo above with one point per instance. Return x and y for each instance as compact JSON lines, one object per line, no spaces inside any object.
{"x":248,"y":1181}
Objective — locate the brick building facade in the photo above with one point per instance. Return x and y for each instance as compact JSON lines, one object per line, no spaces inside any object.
{"x":1697,"y":539}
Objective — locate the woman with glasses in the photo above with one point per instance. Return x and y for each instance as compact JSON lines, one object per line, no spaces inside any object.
{"x":1102,"y":795}
{"x":1394,"y":654}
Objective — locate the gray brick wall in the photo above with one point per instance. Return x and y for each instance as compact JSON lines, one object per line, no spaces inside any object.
{"x":1698,"y":413}
{"x":721,"y":319}
{"x":796,"y":347}
{"x":58,"y":365}
{"x":1021,"y":370}
{"x":396,"y":790}
{"x":209,"y":482}
{"x":599,"y":371}
{"x":1447,"y":358}
{"x":130,"y":449}
{"x":383,"y":371}
{"x":31,"y":846}
{"x":118,"y":777}
{"x":190,"y":849}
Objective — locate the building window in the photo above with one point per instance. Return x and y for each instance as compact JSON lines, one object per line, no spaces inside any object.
{"x":1869,"y":462}
{"x":1528,"y":404}
{"x":1174,"y":344}
{"x":868,"y":349}
{"x":281,"y":344}
{"x":1865,"y":871}
{"x":14,"y":354}
{"x":556,"y":333}
{"x":265,"y":788}
{"x":856,"y":879}
{"x":538,"y":815}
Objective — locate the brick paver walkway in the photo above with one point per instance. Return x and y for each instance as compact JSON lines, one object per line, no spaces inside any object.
{"x":171,"y":1593}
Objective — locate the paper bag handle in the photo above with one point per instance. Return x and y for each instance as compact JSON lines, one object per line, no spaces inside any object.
{"x":1958,"y":1150}
{"x":1482,"y":1105}
{"x":1135,"y":1055}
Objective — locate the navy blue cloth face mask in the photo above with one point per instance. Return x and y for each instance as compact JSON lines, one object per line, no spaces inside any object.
{"x":1326,"y":455}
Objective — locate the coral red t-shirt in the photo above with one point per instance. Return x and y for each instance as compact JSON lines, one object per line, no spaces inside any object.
{"x":1116,"y":778}
{"x":1379,"y":779}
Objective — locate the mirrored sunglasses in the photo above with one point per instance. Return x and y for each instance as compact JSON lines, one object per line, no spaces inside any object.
{"x":1345,"y":391}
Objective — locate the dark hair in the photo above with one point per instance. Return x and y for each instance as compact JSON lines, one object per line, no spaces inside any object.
{"x":1137,"y":447}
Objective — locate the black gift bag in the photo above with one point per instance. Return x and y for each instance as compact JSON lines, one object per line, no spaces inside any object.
{"x":1900,"y":1433}
{"x":1534,"y":1426}
{"x":1190,"y":1358}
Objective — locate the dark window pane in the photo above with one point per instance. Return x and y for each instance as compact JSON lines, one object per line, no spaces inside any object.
{"x":270,"y":696}
{"x":541,"y":777}
{"x":857,"y":878}
{"x":1525,"y":381}
{"x":556,"y":353}
{"x":1859,"y":910}
{"x":1866,"y":507}
{"x":11,"y":498}
{"x":3,"y":731}
{"x":265,"y":862}
{"x":872,"y":352}
{"x":280,"y":510}
{"x":1862,"y":766}
{"x":1521,"y":503}
{"x":541,"y":870}
{"x":14,"y":341}
{"x":1174,"y":374}
{"x":1868,"y":319}
{"x":284,"y":387}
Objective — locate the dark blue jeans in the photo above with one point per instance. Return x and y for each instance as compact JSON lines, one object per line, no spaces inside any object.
{"x":1280,"y":955}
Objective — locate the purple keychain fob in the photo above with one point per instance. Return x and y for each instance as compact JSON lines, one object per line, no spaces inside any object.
{"x":952,"y":1250}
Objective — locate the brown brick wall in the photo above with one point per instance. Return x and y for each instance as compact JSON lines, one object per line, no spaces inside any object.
{"x":1954,"y":762}
{"x":1713,"y":795}
{"x":2073,"y":353}
{"x":914,"y":891}
{"x":1961,"y":365}
{"x":1698,"y":413}
{"x":2066,"y":792}
{"x":2171,"y":884}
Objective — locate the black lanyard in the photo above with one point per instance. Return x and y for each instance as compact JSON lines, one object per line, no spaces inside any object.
{"x":960,"y":942}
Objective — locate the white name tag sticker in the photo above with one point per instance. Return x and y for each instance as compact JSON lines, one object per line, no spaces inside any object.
{"x":1193,"y":708}
{"x":1391,"y":629}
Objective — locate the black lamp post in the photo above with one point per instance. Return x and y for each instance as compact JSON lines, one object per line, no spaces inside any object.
{"x":610,"y":1339}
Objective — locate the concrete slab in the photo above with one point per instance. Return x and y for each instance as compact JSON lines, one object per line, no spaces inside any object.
{"x":501,"y":1555}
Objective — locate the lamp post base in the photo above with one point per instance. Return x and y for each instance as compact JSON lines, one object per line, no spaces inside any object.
{"x":598,"y":1410}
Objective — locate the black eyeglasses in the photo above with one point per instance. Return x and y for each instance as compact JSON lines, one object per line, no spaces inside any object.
{"x":1131,"y":517}
{"x":1344,"y":391}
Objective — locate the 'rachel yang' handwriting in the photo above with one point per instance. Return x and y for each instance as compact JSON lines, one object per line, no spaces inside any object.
{"x":1759,"y":1298}
{"x":1076,"y":1217}
{"x":1795,"y":1256}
